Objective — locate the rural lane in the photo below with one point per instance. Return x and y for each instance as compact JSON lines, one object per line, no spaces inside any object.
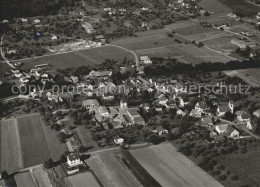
{"x":2,"y":54}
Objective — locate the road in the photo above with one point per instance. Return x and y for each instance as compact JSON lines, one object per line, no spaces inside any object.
{"x":2,"y":53}
{"x":114,"y":148}
{"x":135,"y":55}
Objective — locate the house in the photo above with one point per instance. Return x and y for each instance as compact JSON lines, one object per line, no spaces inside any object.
{"x":160,"y":130}
{"x":145,"y":60}
{"x":244,"y":117}
{"x":145,"y":106}
{"x":118,"y":140}
{"x":130,"y":116}
{"x":100,"y":73}
{"x":257,"y":113}
{"x":195,"y":113}
{"x":222,"y":110}
{"x":89,"y":103}
{"x":249,"y":125}
{"x":108,"y":96}
{"x":74,"y":79}
{"x":162,"y":100}
{"x":73,"y":163}
{"x":202,"y":106}
{"x":227,"y":130}
{"x":206,"y":121}
{"x":54,"y":97}
{"x":103,"y":111}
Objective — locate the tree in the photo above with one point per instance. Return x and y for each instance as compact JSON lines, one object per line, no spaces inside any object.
{"x":4,"y":175}
{"x":48,"y":164}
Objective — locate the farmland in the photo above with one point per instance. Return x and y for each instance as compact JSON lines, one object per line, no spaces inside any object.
{"x":42,"y":177}
{"x":250,"y":76}
{"x":172,"y":168}
{"x":24,"y":179}
{"x":186,"y":53}
{"x":110,"y":171}
{"x":11,"y":152}
{"x":148,"y":39}
{"x":241,"y":7}
{"x":80,"y":58}
{"x":22,"y":143}
{"x":85,"y":179}
{"x":35,"y":150}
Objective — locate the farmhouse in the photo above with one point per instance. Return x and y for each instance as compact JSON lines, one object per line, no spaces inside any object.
{"x":145,"y":60}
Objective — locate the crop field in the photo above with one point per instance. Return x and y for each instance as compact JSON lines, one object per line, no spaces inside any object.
{"x":250,"y":76}
{"x":80,"y":58}
{"x":22,"y":143}
{"x":194,"y":29}
{"x":214,"y":6}
{"x":186,"y":53}
{"x":11,"y":152}
{"x":171,"y":168}
{"x":208,"y":36}
{"x":85,"y":179}
{"x":24,"y":179}
{"x":241,"y":7}
{"x":34,"y":148}
{"x":148,"y":39}
{"x":42,"y":177}
{"x":110,"y":171}
{"x":222,"y":43}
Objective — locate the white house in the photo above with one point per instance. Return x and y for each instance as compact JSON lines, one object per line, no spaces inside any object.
{"x":73,"y":163}
{"x":118,"y":140}
{"x":244,"y":117}
{"x":145,"y":60}
{"x":227,"y":130}
{"x":90,"y":103}
{"x":160,"y":130}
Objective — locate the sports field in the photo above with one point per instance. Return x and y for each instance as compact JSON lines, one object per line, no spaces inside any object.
{"x":85,"y":179}
{"x":24,"y":180}
{"x":171,"y":168}
{"x":110,"y":171}
{"x":80,"y":58}
{"x":22,"y":143}
{"x":250,"y":76}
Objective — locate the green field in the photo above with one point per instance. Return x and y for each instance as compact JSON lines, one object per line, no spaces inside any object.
{"x":80,"y":58}
{"x":85,"y":179}
{"x":24,"y":180}
{"x":171,"y":168}
{"x":148,"y":39}
{"x":22,"y":143}
{"x":186,"y":53}
{"x":110,"y":171}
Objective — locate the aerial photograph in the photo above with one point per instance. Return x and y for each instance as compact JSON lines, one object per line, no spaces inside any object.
{"x":130,"y":93}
